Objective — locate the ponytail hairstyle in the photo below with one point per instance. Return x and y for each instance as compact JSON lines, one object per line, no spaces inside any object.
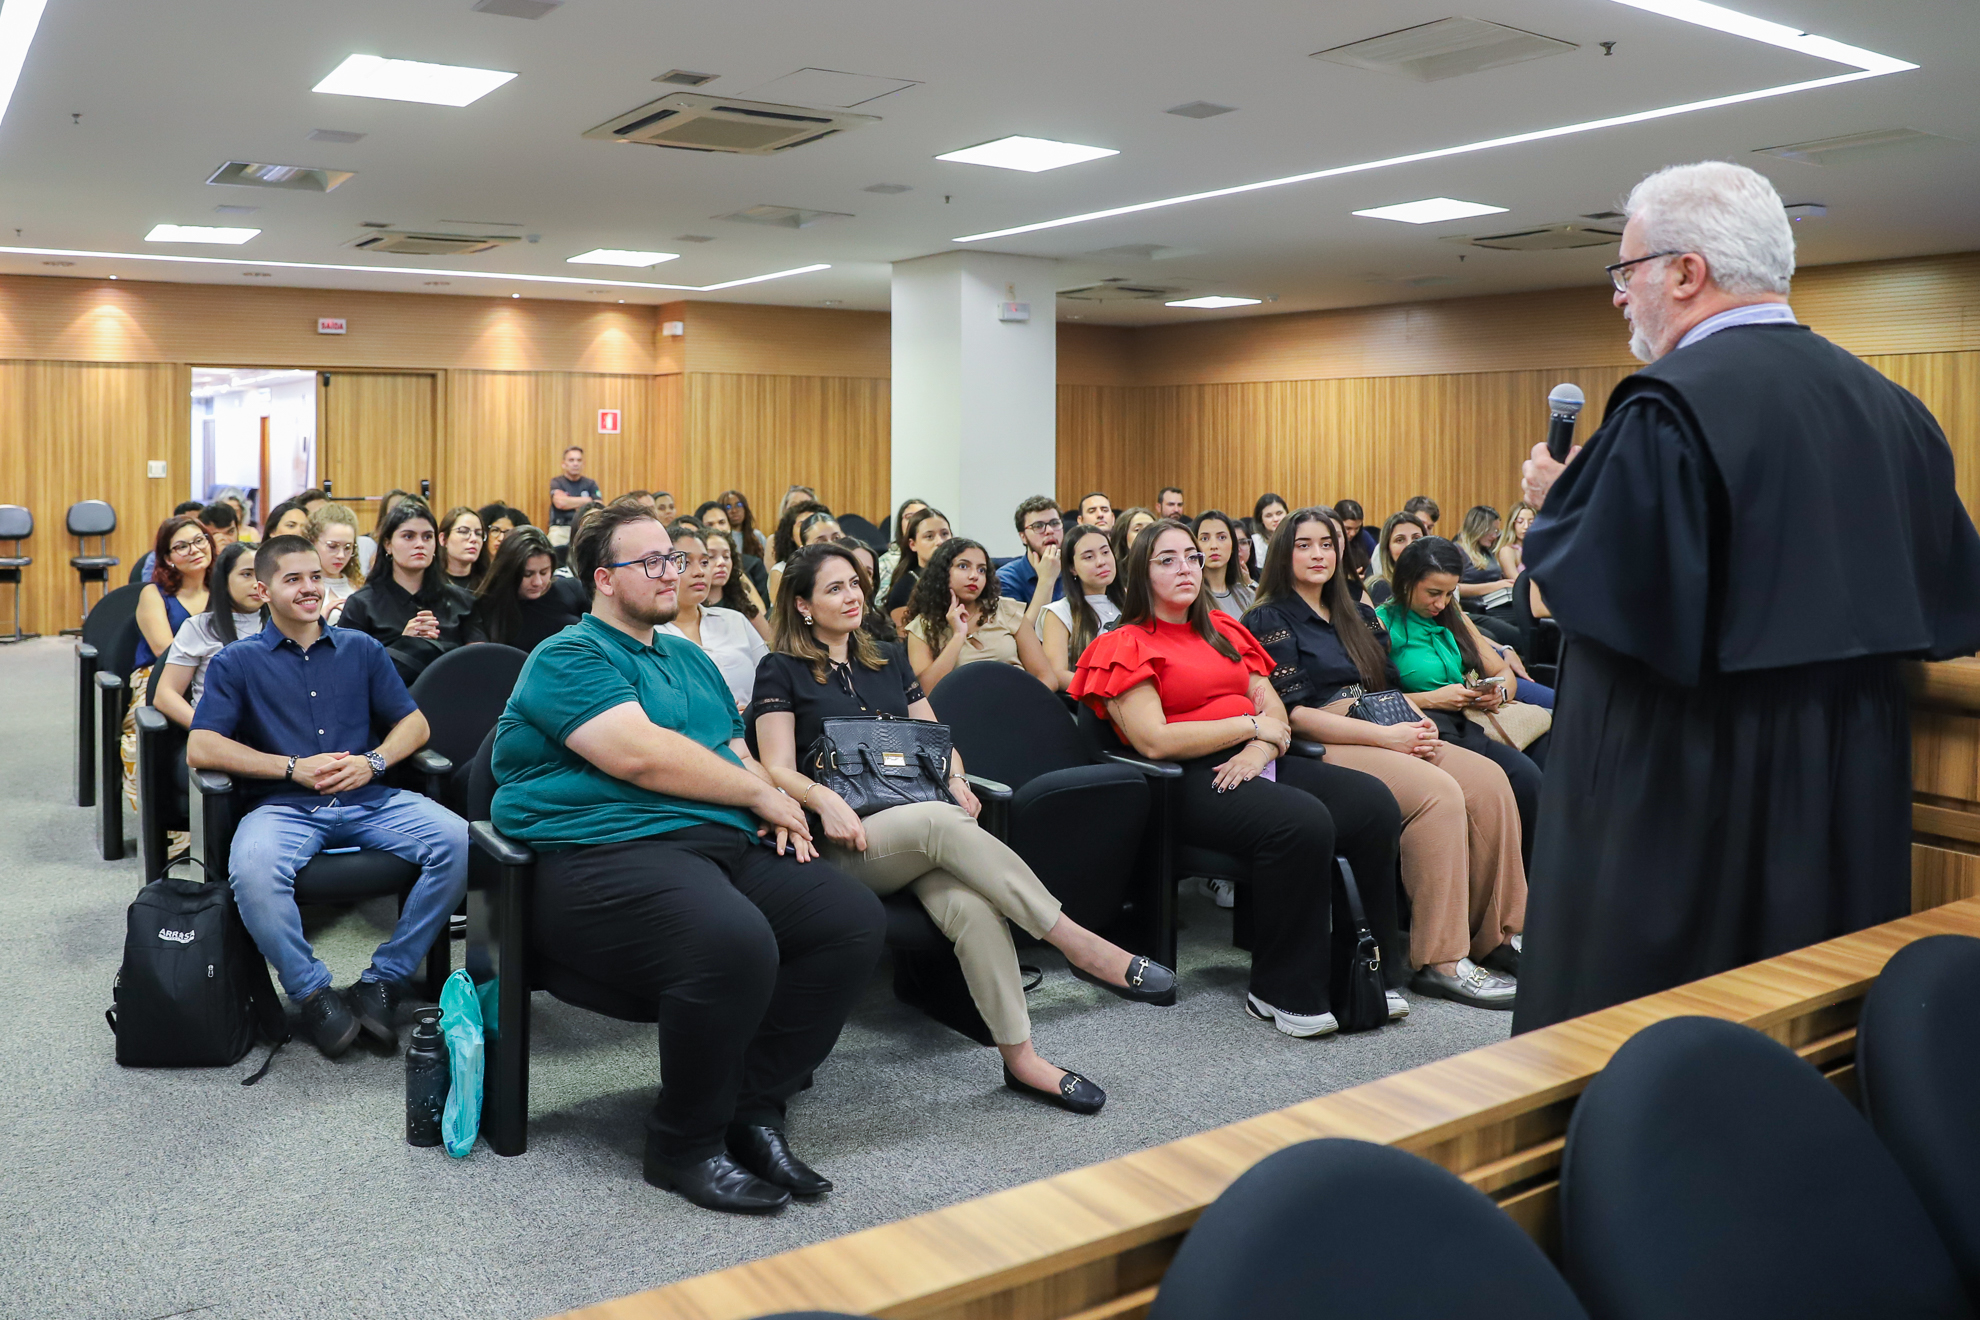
{"x":1340,"y":593}
{"x":1433,"y":554}
{"x":1138,"y":605}
{"x":223,"y":613}
{"x":784,"y":543}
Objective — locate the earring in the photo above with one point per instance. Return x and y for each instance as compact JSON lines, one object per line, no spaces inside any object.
{"x":805,"y":617}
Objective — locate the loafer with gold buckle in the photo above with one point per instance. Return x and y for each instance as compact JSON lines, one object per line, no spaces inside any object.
{"x":1075,"y":1093}
{"x":1148,"y":982}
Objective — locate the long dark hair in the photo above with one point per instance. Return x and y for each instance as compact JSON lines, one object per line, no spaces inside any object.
{"x":910,"y":561}
{"x":1138,"y":607}
{"x":402,"y":513}
{"x":746,"y":529}
{"x":785,"y":543}
{"x":1275,"y":583}
{"x":900,"y":522}
{"x":477,"y":571}
{"x":1384,"y":567}
{"x":930,"y":601}
{"x":1122,"y":517}
{"x":1234,"y":570}
{"x":1085,"y":623}
{"x":1427,"y":555}
{"x":165,"y":575}
{"x":499,"y":601}
{"x":733,"y":596}
{"x":223,"y":614}
{"x":390,"y":501}
{"x":794,"y":636}
{"x":1264,"y":502}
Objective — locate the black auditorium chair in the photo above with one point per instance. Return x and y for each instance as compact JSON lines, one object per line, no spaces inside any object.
{"x":861,"y":530}
{"x":1709,"y":1173}
{"x":111,"y":627}
{"x":163,"y":789}
{"x":1075,"y":817}
{"x":1540,"y":638}
{"x":462,"y":695}
{"x":330,"y":877}
{"x":113,"y":667}
{"x":16,"y":525}
{"x":1918,"y":1072}
{"x":89,"y":518}
{"x":501,"y":889}
{"x":1253,"y":1252}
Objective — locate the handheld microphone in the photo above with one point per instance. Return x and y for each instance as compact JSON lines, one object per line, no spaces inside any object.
{"x":1563,"y":406}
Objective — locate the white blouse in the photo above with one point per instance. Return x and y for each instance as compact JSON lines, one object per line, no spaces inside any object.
{"x":733,"y":644}
{"x":196,"y":643}
{"x":1103,"y":609}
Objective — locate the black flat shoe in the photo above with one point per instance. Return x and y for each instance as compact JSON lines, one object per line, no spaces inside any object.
{"x":1504,"y":959}
{"x":717,"y":1183}
{"x":1148,"y":982}
{"x":1075,"y":1093}
{"x":766,"y":1152}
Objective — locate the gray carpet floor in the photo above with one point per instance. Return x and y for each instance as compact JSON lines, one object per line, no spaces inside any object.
{"x":142,"y":1194}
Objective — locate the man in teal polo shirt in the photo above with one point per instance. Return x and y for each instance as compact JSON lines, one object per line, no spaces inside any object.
{"x":673,"y":871}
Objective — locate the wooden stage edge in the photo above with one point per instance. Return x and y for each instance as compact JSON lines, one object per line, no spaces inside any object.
{"x":1091,"y":1244}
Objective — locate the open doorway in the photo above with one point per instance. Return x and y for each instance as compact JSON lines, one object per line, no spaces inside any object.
{"x":253,"y":432}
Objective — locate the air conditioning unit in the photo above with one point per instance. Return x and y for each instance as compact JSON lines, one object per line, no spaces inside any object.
{"x":1119,"y":291}
{"x":690,"y":121}
{"x":411,"y":243}
{"x":1547,"y":238}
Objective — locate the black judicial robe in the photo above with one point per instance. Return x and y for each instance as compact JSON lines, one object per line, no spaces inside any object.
{"x":1730,"y":773}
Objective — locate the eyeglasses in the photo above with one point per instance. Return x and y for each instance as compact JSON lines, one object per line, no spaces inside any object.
{"x":1620,"y":273}
{"x":1051,"y":525}
{"x":656,"y":566}
{"x":186,"y":547}
{"x":1166,"y":562}
{"x":734,"y":504}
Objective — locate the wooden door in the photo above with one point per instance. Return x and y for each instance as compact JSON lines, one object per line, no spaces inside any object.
{"x":377,"y":432}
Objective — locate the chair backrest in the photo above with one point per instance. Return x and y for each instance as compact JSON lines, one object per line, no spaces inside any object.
{"x":1009,"y":726}
{"x":462,"y":695}
{"x":16,"y":523}
{"x":108,"y":617}
{"x":91,"y":518}
{"x":1710,"y":1173}
{"x":481,"y":780}
{"x":1918,"y":1068}
{"x":855,"y":526}
{"x":1099,"y":735}
{"x":1254,"y":1251}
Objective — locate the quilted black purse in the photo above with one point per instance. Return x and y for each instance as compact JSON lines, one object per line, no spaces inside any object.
{"x":880,"y":761}
{"x":1386,"y":707}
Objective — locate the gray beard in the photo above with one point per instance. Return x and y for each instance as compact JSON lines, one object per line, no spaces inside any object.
{"x":1640,"y":345}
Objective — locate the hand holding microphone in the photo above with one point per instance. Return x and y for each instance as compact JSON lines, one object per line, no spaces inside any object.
{"x":1550,"y":459}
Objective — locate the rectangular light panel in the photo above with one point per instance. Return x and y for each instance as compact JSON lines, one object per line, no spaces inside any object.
{"x":18,"y":20}
{"x":620,"y":257}
{"x":1215,"y":300}
{"x":198,"y":234}
{"x":1430,"y":210}
{"x":411,"y":80}
{"x":1029,"y":154}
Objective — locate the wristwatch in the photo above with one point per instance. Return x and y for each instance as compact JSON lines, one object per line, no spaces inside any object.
{"x":377,"y":764}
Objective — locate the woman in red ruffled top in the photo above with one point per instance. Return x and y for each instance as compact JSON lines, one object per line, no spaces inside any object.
{"x":1182,"y":682}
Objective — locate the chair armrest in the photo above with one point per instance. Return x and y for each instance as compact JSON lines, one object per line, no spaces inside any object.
{"x":151,"y":721}
{"x":86,"y":653}
{"x":1306,"y":747}
{"x":429,"y":762}
{"x":1153,"y":769}
{"x":989,"y":789}
{"x":996,"y":800}
{"x":211,"y":783}
{"x":504,"y":850}
{"x":108,"y":682}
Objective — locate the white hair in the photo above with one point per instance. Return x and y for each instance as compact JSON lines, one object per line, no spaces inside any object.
{"x":1727,"y":214}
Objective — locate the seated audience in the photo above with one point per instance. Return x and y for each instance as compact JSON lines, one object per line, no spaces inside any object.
{"x":311,"y":768}
{"x":1460,"y":823}
{"x":1073,"y":621}
{"x":1169,"y":504}
{"x":959,"y":617}
{"x":1224,"y":578}
{"x":150,"y":560}
{"x":1483,"y":587}
{"x":1033,"y":578}
{"x":522,"y":602}
{"x":1096,"y":510}
{"x":1127,"y":526}
{"x":899,"y":545}
{"x":663,"y":504}
{"x":496,"y":522}
{"x":222,"y":524}
{"x":203,"y":636}
{"x":1358,"y":534}
{"x":1268,"y":512}
{"x":730,"y":588}
{"x":826,"y":667}
{"x":643,"y":498}
{"x":311,"y":499}
{"x":289,"y":518}
{"x":714,"y":518}
{"x":1182,"y":682}
{"x":245,"y":528}
{"x":406,"y":602}
{"x":794,"y":496}
{"x":1424,"y":510}
{"x":620,"y":758}
{"x":183,"y":555}
{"x":926,"y":532}
{"x":1398,"y":533}
{"x":465,"y":548}
{"x":731,"y":643}
{"x":743,"y":523}
{"x":788,"y":539}
{"x":368,"y":545}
{"x":872,"y":622}
{"x":1435,"y":648}
{"x":1511,"y":550}
{"x":333,"y":531}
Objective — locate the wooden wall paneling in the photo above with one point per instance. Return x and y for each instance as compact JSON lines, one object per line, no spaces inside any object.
{"x":1948,"y":383}
{"x":378,"y":431}
{"x":761,"y":434}
{"x":508,"y":430}
{"x":1942,"y":875}
{"x":667,"y":402}
{"x":748,"y":339}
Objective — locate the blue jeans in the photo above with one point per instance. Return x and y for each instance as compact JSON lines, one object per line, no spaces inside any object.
{"x":275,"y":841}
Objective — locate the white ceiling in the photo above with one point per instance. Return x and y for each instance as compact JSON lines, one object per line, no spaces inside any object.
{"x":168,"y":92}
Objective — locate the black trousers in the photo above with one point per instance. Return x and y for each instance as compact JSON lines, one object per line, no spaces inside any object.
{"x":753,"y":961}
{"x":1368,"y":833}
{"x":1288,"y":833}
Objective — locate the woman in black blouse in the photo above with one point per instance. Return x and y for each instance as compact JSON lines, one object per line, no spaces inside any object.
{"x":522,"y":601}
{"x":406,"y":601}
{"x":1461,"y":832}
{"x":825,"y":666}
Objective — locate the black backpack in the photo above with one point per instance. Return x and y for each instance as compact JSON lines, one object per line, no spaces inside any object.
{"x":194,"y":990}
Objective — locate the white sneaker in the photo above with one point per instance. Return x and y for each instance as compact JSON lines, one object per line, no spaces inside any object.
{"x":1293,"y":1024}
{"x":1222,"y":892}
{"x":1398,"y":1006}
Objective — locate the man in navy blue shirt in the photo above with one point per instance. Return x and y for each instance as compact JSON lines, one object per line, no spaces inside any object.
{"x":1032,"y":579}
{"x":290,"y":712}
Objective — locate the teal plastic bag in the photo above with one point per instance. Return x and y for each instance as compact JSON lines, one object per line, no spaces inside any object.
{"x":460,"y":1024}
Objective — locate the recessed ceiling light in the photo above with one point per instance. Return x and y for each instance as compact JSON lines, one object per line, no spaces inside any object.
{"x":411,"y":80}
{"x":1199,"y":110}
{"x":887,"y":188}
{"x":198,"y":234}
{"x":1029,"y":154}
{"x":334,"y":135}
{"x":18,"y":20}
{"x":620,"y":257}
{"x":694,"y":238}
{"x":686,"y":78}
{"x":235,"y":210}
{"x":1430,"y":210}
{"x":1215,"y":300}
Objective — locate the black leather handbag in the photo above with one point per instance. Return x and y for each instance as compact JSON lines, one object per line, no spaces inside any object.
{"x":1362,"y":1004}
{"x":880,"y":761}
{"x":1385,"y":707}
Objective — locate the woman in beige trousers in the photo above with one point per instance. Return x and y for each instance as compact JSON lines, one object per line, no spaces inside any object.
{"x":1461,"y":834}
{"x":824,"y":666}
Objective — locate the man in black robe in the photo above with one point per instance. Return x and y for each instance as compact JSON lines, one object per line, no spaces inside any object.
{"x":1730,"y":774}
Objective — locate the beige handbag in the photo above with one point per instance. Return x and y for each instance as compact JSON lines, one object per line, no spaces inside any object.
{"x":1516,"y":724}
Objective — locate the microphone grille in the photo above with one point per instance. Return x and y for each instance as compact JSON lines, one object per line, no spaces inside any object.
{"x":1566,"y":399}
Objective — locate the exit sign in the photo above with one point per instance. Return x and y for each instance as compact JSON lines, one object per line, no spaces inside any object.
{"x":332,"y":325}
{"x":608,"y":421}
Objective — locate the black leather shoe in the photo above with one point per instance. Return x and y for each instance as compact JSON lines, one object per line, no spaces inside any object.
{"x":1148,"y":982}
{"x":1075,"y":1092}
{"x":328,"y":1023}
{"x":375,"y":1005}
{"x":766,"y":1152}
{"x":717,"y":1183}
{"x":1504,"y":959}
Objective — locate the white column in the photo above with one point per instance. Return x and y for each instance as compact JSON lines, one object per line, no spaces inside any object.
{"x":975,"y":408}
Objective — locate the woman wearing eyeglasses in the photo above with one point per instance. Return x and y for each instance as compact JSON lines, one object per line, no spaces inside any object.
{"x":1182,"y":682}
{"x":743,"y":523}
{"x":464,"y":543}
{"x":177,"y":591}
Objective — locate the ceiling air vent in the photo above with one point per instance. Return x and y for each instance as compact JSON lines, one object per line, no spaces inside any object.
{"x":783,"y":217}
{"x":1857,"y":146}
{"x":1118,"y":291}
{"x":689,"y":121}
{"x":1547,"y":238}
{"x":413,"y":243}
{"x":1447,"y":48}
{"x":296,"y":178}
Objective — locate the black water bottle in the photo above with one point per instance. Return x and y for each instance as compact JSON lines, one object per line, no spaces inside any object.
{"x":426,"y":1079}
